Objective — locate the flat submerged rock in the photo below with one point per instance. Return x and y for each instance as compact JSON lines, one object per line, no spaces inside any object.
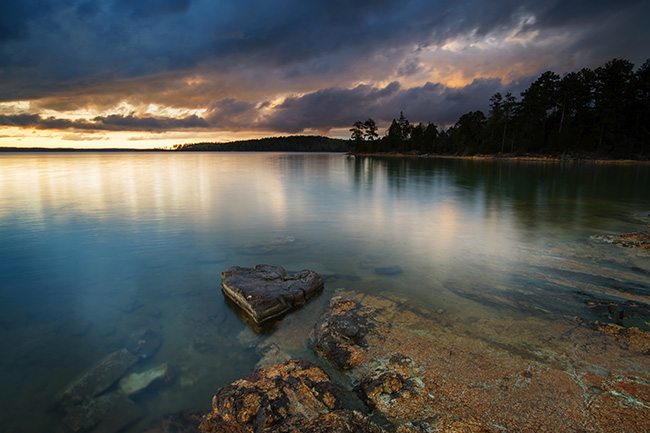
{"x":266,"y":292}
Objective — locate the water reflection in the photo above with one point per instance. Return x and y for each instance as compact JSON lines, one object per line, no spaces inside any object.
{"x":93,"y":246}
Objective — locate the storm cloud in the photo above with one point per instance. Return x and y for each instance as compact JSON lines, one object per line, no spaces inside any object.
{"x":103,"y":123}
{"x":291,"y":66}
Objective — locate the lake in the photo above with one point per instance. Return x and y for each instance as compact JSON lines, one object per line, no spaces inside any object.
{"x":94,"y":246}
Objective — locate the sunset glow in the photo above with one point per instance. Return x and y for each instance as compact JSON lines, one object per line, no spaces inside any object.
{"x":116,"y":74}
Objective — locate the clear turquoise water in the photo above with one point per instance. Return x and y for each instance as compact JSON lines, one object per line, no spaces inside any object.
{"x":96,"y":245}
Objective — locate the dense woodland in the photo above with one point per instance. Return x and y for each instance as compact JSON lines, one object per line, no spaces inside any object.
{"x":295,"y":143}
{"x":601,"y":112}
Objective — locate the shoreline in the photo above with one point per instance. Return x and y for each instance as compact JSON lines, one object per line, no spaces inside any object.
{"x":506,"y":157}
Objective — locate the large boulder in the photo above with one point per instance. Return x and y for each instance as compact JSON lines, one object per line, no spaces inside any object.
{"x":295,"y":396}
{"x":267,"y":292}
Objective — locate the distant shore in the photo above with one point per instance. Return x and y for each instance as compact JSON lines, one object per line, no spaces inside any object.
{"x":480,"y":157}
{"x":507,"y":157}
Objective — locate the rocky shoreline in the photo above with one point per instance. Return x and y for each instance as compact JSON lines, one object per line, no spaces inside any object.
{"x":381,"y":365}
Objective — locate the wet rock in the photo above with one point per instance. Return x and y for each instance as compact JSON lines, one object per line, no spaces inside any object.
{"x":389,"y":271}
{"x":135,"y":383}
{"x":295,"y":396}
{"x":446,"y":425}
{"x":624,"y":313}
{"x":631,"y":338}
{"x":639,"y":240}
{"x":340,"y":335}
{"x":144,"y":343}
{"x":267,"y":292}
{"x":108,"y":413}
{"x":177,"y":423}
{"x":97,"y":379}
{"x":396,"y":390}
{"x":341,"y":421}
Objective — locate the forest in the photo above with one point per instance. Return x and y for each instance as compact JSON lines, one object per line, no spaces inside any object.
{"x":589,"y":113}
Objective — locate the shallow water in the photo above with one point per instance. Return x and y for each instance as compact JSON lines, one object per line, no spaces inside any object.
{"x":96,"y":245}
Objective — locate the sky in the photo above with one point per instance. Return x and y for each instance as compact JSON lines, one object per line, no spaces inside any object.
{"x":154,"y":73}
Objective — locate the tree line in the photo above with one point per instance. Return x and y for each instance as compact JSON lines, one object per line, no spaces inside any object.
{"x":601,"y":112}
{"x":294,"y":143}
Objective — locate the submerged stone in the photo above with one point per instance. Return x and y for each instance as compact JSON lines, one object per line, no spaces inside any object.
{"x":108,"y":413}
{"x":97,"y":379}
{"x":138,"y":382}
{"x":267,"y":292}
{"x":389,"y":271}
{"x":143,"y":343}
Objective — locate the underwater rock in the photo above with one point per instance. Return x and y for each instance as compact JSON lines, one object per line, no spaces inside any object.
{"x":108,"y":413}
{"x":179,"y":422}
{"x":625,"y":313}
{"x":97,"y":379}
{"x":389,"y":271}
{"x":138,"y":382}
{"x":295,"y":396}
{"x":143,"y":343}
{"x":274,"y":246}
{"x":340,"y":334}
{"x":267,"y":292}
{"x":270,"y":354}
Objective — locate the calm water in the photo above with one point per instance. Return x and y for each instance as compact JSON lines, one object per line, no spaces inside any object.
{"x":95,"y":246}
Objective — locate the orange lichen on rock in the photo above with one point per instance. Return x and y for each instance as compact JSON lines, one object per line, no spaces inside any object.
{"x":639,"y":240}
{"x":417,"y":372}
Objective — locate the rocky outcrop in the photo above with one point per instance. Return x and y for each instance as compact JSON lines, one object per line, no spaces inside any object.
{"x":267,"y":292}
{"x":295,"y":396}
{"x":340,"y":335}
{"x":396,"y":390}
{"x":416,"y":370}
{"x":411,"y":367}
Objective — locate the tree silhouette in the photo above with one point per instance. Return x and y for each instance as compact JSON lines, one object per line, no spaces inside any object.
{"x":603,"y":112}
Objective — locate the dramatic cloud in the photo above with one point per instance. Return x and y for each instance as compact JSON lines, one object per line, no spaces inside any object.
{"x":290,"y":66}
{"x":103,"y":123}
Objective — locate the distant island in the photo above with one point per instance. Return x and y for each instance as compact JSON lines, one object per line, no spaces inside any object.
{"x":293,"y":143}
